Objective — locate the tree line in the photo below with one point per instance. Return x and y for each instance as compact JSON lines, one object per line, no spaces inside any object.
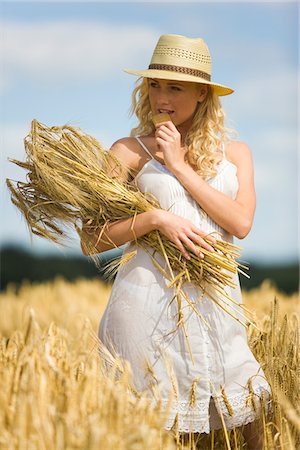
{"x":18,"y":264}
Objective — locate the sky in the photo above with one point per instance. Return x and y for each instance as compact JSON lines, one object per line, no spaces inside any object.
{"x":62,"y":62}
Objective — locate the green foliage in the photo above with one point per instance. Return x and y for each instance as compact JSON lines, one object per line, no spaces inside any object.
{"x":18,"y":264}
{"x":285,"y":276}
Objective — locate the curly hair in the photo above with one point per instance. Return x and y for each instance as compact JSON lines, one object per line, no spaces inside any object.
{"x":205,"y":135}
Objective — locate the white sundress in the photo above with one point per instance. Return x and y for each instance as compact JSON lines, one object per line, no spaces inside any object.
{"x":139,"y":319}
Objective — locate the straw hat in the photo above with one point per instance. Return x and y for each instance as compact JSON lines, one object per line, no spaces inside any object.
{"x":181,"y":58}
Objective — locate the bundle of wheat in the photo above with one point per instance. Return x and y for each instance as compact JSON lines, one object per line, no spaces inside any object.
{"x":72,"y":178}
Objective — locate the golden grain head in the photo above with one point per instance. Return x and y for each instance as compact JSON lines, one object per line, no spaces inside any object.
{"x":56,"y":377}
{"x":73,"y":179}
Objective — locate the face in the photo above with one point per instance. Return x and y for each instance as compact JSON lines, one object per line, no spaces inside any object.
{"x":177,"y":98}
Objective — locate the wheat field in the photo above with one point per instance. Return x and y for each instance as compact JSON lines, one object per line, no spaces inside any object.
{"x":57,"y":393}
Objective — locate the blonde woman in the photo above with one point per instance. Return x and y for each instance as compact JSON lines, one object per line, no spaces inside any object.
{"x":204,"y":183}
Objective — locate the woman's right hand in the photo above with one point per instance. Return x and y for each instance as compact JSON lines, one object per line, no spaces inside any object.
{"x":182,"y":231}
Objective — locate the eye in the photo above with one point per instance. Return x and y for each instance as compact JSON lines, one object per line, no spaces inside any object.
{"x":153,"y":84}
{"x":175,"y":88}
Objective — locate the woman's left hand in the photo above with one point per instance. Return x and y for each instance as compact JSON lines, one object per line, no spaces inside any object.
{"x":168,"y":140}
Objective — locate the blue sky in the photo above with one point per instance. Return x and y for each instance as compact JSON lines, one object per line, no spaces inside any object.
{"x":62,"y":62}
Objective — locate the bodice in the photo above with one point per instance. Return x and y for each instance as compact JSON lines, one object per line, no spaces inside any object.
{"x":155,"y":178}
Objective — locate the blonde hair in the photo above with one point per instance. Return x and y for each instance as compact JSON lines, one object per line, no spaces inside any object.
{"x":206,"y":134}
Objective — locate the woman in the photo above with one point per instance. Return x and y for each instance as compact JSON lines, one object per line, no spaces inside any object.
{"x":204,"y":183}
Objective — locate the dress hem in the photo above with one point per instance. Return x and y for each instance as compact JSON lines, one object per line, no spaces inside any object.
{"x":197,"y":420}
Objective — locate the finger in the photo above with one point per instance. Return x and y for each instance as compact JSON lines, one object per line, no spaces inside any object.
{"x":162,"y":141}
{"x":182,"y":249}
{"x":165,"y":122}
{"x":165,"y":129}
{"x":211,"y":238}
{"x":170,"y":129}
{"x":202,"y":242}
{"x":204,"y":235}
{"x":170,"y":125}
{"x":165,"y":135}
{"x":192,"y":246}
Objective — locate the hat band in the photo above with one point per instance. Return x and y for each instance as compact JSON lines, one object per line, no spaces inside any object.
{"x":186,"y":70}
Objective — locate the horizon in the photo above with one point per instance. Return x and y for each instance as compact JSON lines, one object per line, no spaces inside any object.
{"x":52,"y":70}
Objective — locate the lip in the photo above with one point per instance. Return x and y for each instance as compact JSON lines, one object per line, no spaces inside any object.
{"x":167,"y":111}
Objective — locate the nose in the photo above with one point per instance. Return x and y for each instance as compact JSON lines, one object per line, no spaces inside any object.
{"x":162,"y":97}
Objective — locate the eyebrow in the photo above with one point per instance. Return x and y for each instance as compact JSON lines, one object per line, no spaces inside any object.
{"x":168,"y":81}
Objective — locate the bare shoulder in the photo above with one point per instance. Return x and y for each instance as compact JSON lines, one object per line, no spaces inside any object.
{"x":124,"y":143}
{"x":126,"y":150}
{"x":238,"y":152}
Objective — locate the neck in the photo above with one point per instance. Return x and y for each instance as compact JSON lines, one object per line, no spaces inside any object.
{"x":183,"y":129}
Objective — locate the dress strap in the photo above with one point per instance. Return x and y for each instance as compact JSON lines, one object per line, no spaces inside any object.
{"x":144,"y":146}
{"x":223,"y":150}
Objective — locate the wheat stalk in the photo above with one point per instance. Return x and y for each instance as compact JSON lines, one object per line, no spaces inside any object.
{"x":71,"y":178}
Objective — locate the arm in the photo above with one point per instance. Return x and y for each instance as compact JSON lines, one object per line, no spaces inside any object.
{"x":118,"y":233}
{"x":235,"y":216}
{"x":177,"y":229}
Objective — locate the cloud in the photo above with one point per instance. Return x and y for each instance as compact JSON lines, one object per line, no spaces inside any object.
{"x":13,"y":227}
{"x":275,"y":174}
{"x":264,"y":111}
{"x":68,"y":51}
{"x":266,"y":101}
{"x":264,"y":105}
{"x":5,"y":84}
{"x":275,"y":158}
{"x":13,"y":147}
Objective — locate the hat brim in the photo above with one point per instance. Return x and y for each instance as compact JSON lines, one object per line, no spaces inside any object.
{"x":219,"y":89}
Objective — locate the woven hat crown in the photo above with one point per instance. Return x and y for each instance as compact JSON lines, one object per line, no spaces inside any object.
{"x":186,"y":55}
{"x":180,"y":58}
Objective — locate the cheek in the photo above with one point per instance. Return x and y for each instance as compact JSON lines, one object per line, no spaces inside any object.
{"x":150,"y":101}
{"x":151,"y":97}
{"x":189,"y":99}
{"x":192,"y":104}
